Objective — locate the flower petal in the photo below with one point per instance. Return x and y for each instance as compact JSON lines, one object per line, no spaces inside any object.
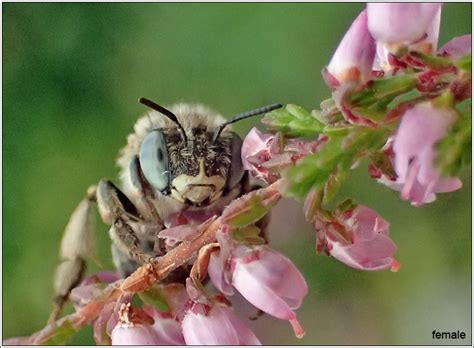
{"x":353,"y":58}
{"x":457,"y":48}
{"x":139,"y":335}
{"x":401,"y":22}
{"x":269,"y":281}
{"x":216,"y":328}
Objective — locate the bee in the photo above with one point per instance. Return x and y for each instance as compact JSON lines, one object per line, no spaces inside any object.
{"x":181,"y":165}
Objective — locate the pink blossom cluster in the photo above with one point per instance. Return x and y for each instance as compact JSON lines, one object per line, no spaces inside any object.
{"x":263,"y":276}
{"x":383,"y":40}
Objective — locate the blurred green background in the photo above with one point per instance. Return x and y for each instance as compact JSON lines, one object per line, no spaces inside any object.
{"x":72,"y":74}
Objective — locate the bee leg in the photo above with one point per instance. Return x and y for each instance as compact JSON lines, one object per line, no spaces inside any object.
{"x":124,"y":265}
{"x":77,"y":244}
{"x":125,"y":227}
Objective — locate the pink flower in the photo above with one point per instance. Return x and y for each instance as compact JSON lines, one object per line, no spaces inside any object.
{"x":266,"y":278}
{"x":394,"y":25}
{"x":216,"y":325}
{"x":167,"y":329}
{"x":414,"y":149}
{"x":257,"y":149}
{"x":147,"y":326}
{"x":359,"y":238}
{"x":457,"y":48}
{"x":136,"y":335}
{"x":352,"y":61}
{"x":402,"y":22}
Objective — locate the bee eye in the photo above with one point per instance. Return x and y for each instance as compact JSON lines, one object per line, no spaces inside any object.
{"x":236,"y":169}
{"x":154,"y":160}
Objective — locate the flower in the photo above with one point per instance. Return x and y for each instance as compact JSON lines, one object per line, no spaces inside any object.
{"x":215,"y":325}
{"x":267,"y":279}
{"x":125,"y":335}
{"x":457,"y":48}
{"x":352,"y":61}
{"x":147,"y":326}
{"x":358,"y":237}
{"x":167,"y":329}
{"x":395,"y":25}
{"x":257,"y":149}
{"x":421,"y":128}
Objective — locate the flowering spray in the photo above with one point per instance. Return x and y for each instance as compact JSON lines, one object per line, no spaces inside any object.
{"x":396,"y":100}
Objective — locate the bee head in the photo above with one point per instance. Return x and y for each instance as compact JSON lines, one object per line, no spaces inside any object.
{"x":194,"y":166}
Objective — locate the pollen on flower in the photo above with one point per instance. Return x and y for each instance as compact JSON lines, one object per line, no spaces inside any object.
{"x":124,"y":317}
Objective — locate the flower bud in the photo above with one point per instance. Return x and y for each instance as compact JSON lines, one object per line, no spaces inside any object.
{"x":352,"y":61}
{"x":457,"y":48}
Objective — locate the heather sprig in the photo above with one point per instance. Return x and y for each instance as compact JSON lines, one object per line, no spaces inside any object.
{"x":394,"y":99}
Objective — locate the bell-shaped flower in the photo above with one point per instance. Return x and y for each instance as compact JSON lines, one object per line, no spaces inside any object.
{"x":353,"y":59}
{"x":395,"y":25}
{"x":145,"y":326}
{"x":258,"y":148}
{"x":216,"y":325}
{"x":136,"y":335}
{"x":359,"y":238}
{"x":269,"y":281}
{"x":414,"y":146}
{"x":457,"y":48}
{"x":166,"y":327}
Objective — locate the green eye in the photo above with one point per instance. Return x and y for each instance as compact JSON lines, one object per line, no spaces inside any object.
{"x":154,"y":160}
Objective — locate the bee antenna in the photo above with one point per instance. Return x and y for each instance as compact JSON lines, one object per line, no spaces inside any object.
{"x":165,"y":112}
{"x":243,"y":116}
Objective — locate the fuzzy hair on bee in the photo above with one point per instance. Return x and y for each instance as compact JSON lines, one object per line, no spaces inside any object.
{"x":199,"y":122}
{"x":180,"y":166}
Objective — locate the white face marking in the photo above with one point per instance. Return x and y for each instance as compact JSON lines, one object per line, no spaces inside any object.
{"x":197,"y":188}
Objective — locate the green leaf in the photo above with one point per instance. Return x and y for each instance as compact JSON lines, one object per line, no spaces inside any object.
{"x":465,"y":63}
{"x":386,"y":89}
{"x":335,"y":157}
{"x":454,"y":151}
{"x":337,"y":131}
{"x":293,"y":121}
{"x":249,"y":234}
{"x":298,"y":112}
{"x":254,"y":212}
{"x":250,"y":208}
{"x":369,"y":112}
{"x":433,"y":62}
